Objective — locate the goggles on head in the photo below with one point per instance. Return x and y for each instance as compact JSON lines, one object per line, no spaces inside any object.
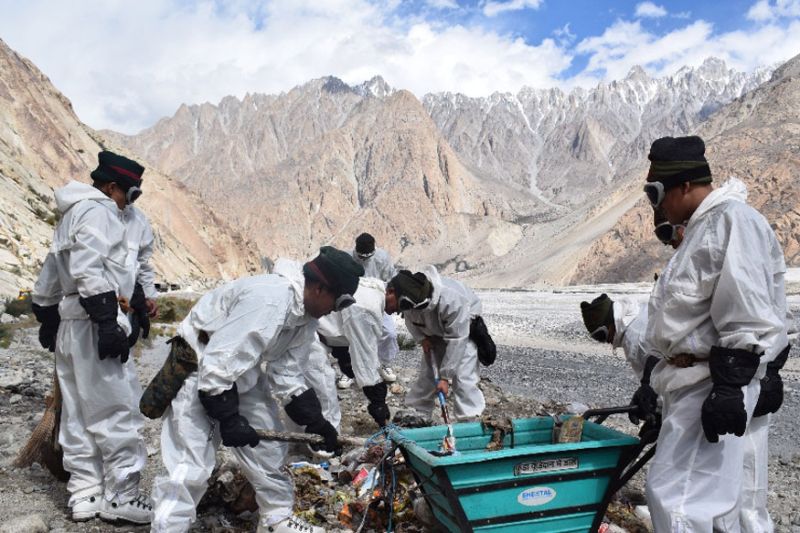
{"x":343,"y":302}
{"x":132,"y":194}
{"x":666,"y":232}
{"x":655,"y":192}
{"x":600,"y":334}
{"x":404,"y":303}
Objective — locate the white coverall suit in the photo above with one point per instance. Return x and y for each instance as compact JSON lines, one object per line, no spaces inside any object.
{"x":380,"y":266}
{"x":360,"y":327}
{"x":250,"y":321}
{"x":630,"y":324}
{"x":723,"y":287}
{"x":140,"y":239}
{"x":100,"y":419}
{"x":446,"y":320}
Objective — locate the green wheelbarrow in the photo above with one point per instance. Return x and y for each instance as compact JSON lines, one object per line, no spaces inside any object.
{"x":529,"y":485}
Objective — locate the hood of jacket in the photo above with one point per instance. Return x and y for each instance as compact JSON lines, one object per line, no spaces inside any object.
{"x":293,"y":272}
{"x":75,"y":191}
{"x":436,"y":281}
{"x":733,"y":189}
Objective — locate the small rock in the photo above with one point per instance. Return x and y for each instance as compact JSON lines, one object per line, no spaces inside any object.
{"x":5,"y":318}
{"x":15,"y":398}
{"x":32,"y":523}
{"x":396,"y":388}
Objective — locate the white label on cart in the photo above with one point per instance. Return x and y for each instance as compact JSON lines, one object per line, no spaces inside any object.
{"x":536,"y":496}
{"x":546,"y":465}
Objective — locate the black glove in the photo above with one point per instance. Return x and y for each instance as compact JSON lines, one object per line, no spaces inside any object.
{"x":723,"y":411}
{"x":645,"y":398}
{"x":236,"y":431}
{"x":771,"y":396}
{"x":342,"y":356}
{"x":305,"y":410}
{"x":112,"y":341}
{"x":139,"y":319}
{"x":377,"y":408}
{"x":49,"y":319}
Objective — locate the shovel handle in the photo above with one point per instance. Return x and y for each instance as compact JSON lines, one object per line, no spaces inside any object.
{"x":307,"y":438}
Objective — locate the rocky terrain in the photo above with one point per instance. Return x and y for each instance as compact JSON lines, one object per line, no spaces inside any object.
{"x":544,"y":360}
{"x":43,"y":145}
{"x":755,"y":139}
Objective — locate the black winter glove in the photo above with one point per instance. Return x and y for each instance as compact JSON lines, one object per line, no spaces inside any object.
{"x":645,"y":398}
{"x":771,"y":396}
{"x":139,"y":319}
{"x":723,"y":411}
{"x":377,"y":408}
{"x":236,"y":431}
{"x":342,"y":356}
{"x":112,"y":341}
{"x":305,"y":410}
{"x":49,"y":319}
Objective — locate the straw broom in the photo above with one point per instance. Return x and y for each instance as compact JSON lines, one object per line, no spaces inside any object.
{"x":42,"y":446}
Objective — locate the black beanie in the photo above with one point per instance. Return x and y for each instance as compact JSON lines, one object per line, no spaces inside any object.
{"x":675,"y":160}
{"x":118,"y":169}
{"x":598,"y":313}
{"x":416,"y":287}
{"x":365,"y":244}
{"x":335,"y":269}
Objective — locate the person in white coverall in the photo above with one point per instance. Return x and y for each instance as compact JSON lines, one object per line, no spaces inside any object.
{"x":356,"y":330}
{"x":76,"y":301}
{"x":143,"y":307}
{"x":234,"y":329}
{"x":378,"y":264}
{"x":716,"y":318}
{"x":437,"y":313}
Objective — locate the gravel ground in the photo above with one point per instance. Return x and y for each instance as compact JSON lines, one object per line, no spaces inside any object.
{"x":543,"y":357}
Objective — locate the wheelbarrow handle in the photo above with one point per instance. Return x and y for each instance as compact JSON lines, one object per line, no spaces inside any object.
{"x":603,"y":412}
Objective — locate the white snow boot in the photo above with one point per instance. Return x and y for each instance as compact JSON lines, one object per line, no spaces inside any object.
{"x":87,"y":508}
{"x":139,"y":510}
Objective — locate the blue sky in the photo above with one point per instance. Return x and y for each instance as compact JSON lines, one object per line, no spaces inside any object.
{"x":126,"y":64}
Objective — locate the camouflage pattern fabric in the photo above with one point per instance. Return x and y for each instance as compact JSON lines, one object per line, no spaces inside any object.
{"x":181,"y":361}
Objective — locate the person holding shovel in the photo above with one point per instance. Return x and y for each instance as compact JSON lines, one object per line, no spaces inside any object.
{"x":438,"y":312}
{"x":272,"y":319}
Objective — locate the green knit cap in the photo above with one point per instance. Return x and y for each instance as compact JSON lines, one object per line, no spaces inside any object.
{"x":675,"y":160}
{"x":416,"y":287}
{"x":335,"y":269}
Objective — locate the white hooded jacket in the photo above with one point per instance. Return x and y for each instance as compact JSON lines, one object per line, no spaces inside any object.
{"x":378,"y":266}
{"x":249,"y":321}
{"x":140,"y":248}
{"x":630,"y":323}
{"x":88,"y":253}
{"x":724,"y":286}
{"x":447,"y":316}
{"x":360,"y":327}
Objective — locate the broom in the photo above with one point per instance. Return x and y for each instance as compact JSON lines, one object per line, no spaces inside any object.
{"x":42,"y":446}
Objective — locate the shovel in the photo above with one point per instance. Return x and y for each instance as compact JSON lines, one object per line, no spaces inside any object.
{"x":448,"y":446}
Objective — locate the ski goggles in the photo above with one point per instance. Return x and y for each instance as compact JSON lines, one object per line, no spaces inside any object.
{"x":655,"y":192}
{"x":404,"y":303}
{"x":132,"y":194}
{"x":666,"y":232}
{"x":343,"y":302}
{"x":600,"y":334}
{"x":366,"y":255}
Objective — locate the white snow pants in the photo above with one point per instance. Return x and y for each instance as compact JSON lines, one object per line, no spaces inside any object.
{"x":188,"y":448}
{"x":694,"y":486}
{"x":387,"y":345}
{"x":754,"y":516}
{"x":465,"y":396}
{"x":100,"y":421}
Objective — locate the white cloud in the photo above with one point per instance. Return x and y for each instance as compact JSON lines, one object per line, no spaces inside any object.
{"x":492,"y":9}
{"x":650,"y":10}
{"x":442,"y":4}
{"x":765,"y":10}
{"x":125,"y":65}
{"x":564,"y":35}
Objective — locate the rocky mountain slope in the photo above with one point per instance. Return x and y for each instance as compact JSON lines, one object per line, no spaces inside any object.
{"x":502,"y":189}
{"x":757,"y":139}
{"x":43,"y":145}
